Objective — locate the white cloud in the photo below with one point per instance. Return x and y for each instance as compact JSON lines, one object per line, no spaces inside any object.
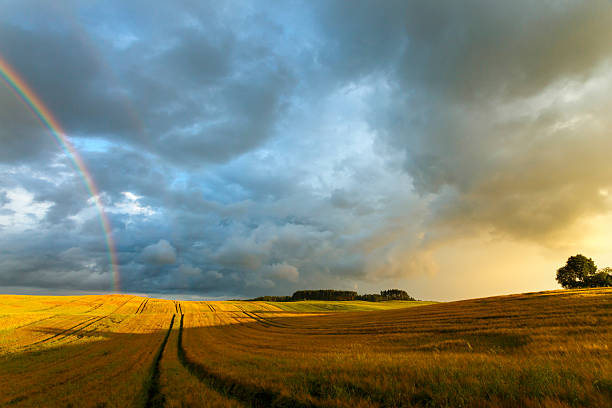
{"x":20,"y":212}
{"x":130,"y":205}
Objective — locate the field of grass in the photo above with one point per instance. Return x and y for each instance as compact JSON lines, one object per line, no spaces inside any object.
{"x":549,"y":349}
{"x":348,"y":306}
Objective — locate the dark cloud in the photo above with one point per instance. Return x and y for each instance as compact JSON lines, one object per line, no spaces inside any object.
{"x":161,"y":253}
{"x":66,"y":77}
{"x":247,"y":150}
{"x":192,"y":93}
{"x":21,"y":136}
{"x":478,"y":99}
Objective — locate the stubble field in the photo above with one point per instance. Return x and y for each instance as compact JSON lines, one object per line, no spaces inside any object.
{"x":548,"y":349}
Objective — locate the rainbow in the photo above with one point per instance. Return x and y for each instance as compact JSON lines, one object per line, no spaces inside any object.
{"x":21,"y":89}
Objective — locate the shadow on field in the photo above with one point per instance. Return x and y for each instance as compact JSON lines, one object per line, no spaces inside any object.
{"x":62,"y":371}
{"x":76,"y":367}
{"x":469,"y":353}
{"x":250,"y":394}
{"x":68,"y":367}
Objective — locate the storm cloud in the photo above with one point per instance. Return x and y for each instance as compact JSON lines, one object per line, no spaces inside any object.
{"x":252,"y":149}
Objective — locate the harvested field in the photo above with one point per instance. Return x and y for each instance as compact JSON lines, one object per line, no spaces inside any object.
{"x":541,"y":349}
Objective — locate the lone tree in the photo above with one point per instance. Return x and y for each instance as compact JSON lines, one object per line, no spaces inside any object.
{"x":578,"y":272}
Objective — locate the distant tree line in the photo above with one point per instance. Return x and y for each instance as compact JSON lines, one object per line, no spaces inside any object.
{"x":581,"y":272}
{"x":338,"y":295}
{"x":324,"y":294}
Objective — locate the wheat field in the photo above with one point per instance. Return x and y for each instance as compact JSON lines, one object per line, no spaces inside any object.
{"x":548,"y":349}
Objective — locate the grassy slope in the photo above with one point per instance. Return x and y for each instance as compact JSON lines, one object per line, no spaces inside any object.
{"x":348,"y":306}
{"x":540,"y":349}
{"x":75,"y":350}
{"x":55,"y":350}
{"x":180,"y":388}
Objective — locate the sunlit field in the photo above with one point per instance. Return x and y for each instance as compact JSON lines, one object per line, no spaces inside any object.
{"x":548,"y":349}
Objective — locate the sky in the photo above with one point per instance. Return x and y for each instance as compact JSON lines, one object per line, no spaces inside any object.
{"x":453,"y":149}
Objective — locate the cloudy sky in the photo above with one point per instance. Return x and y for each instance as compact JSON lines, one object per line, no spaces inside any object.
{"x":452,"y":148}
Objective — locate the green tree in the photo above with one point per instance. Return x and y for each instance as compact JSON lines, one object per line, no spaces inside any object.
{"x":602,"y":278}
{"x":395,"y":294}
{"x":577,"y":272}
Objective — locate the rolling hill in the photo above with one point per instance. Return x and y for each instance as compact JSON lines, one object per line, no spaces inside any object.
{"x":539,"y":349}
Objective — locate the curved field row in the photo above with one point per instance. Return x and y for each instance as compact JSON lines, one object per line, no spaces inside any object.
{"x":53,"y":327}
{"x":550,"y":349}
{"x":179,"y":387}
{"x":81,"y":372}
{"x":53,"y":357}
{"x":59,"y":351}
{"x":541,"y":349}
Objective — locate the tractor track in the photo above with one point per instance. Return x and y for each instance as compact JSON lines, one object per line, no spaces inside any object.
{"x":269,"y":321}
{"x":95,"y":308}
{"x":142,"y":306}
{"x":177,"y":307}
{"x":261,"y":320}
{"x":75,"y":329}
{"x":251,"y":395}
{"x":55,"y":306}
{"x":257,"y":319}
{"x":34,"y":322}
{"x":154,"y":397}
{"x":70,"y":330}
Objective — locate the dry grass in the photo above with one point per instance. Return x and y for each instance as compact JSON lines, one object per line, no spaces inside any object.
{"x":180,"y":388}
{"x":548,"y":349}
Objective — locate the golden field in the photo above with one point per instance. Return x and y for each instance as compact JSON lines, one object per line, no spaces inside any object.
{"x":548,"y":349}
